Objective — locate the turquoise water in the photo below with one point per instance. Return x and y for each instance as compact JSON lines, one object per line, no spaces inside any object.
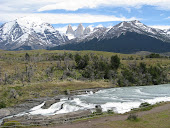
{"x":120,"y":100}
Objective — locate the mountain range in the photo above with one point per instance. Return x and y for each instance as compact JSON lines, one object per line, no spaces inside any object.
{"x":29,"y":33}
{"x":125,"y":37}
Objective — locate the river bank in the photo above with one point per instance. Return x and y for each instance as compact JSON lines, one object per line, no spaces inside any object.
{"x":111,"y":121}
{"x":79,"y":104}
{"x":30,"y":103}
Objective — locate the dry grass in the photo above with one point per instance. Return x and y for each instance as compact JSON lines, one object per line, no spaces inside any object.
{"x":38,"y":87}
{"x":156,"y":120}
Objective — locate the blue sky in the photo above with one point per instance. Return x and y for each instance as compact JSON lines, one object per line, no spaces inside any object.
{"x":89,"y":12}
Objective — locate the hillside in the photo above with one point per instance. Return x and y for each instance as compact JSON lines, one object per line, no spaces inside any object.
{"x":129,"y":43}
{"x":40,"y":73}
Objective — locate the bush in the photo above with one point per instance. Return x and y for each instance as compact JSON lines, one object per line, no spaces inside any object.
{"x":110,"y":112}
{"x":133,"y":117}
{"x":2,"y":104}
{"x":153,"y":55}
{"x":115,"y":62}
{"x":144,"y":105}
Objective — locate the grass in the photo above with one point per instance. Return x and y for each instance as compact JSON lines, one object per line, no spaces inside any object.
{"x":156,"y":120}
{"x":13,"y":61}
{"x":35,"y":90}
{"x":148,"y":107}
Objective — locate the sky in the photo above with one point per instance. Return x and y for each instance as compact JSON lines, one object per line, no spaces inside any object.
{"x":60,"y":13}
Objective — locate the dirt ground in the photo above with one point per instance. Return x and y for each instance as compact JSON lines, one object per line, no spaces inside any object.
{"x":92,"y":122}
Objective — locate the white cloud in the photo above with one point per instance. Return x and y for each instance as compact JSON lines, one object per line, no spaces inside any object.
{"x":100,"y":25}
{"x":78,"y":4}
{"x":167,"y":18}
{"x":65,"y":18}
{"x":161,"y":26}
{"x":45,"y":5}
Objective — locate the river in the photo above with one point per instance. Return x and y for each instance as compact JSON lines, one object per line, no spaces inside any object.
{"x":120,"y":100}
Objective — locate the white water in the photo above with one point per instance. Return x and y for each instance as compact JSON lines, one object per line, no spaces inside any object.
{"x":120,"y":100}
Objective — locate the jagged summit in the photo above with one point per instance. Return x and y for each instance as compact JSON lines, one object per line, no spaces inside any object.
{"x":87,"y":31}
{"x":70,"y":30}
{"x":79,"y":31}
{"x":125,"y":37}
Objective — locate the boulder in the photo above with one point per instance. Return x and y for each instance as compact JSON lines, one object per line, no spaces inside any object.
{"x":98,"y":109}
{"x":4,"y":113}
{"x":48,"y":103}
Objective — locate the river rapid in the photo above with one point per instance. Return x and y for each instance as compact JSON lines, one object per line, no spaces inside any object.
{"x":120,"y":100}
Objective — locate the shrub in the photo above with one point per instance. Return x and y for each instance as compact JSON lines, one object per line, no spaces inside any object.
{"x":133,"y":117}
{"x":153,"y":55}
{"x":145,"y":104}
{"x":110,"y":112}
{"x":2,"y":104}
{"x":115,"y":62}
{"x":67,"y":92}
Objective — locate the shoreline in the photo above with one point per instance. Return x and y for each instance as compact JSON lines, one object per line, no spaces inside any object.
{"x":34,"y":102}
{"x":91,"y":123}
{"x":30,"y":103}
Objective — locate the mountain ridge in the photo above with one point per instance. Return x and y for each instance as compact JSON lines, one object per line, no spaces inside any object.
{"x":25,"y":32}
{"x":33,"y":33}
{"x":137,"y":37}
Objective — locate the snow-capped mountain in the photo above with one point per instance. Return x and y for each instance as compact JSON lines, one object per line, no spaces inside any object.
{"x":80,"y":32}
{"x":125,"y":37}
{"x":31,"y":32}
{"x":89,"y":35}
{"x":168,"y":31}
{"x":86,"y":31}
{"x":70,"y":32}
{"x":102,"y":33}
{"x":137,"y":27}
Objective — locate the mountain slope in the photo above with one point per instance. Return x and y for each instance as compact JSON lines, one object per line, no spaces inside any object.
{"x":137,"y":27}
{"x":126,"y":37}
{"x":129,"y":43}
{"x":29,"y":31}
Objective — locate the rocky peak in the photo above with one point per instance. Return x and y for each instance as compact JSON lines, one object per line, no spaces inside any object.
{"x":79,"y":31}
{"x":70,"y":30}
{"x":87,"y":31}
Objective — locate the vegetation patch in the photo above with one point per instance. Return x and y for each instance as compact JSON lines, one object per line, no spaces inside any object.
{"x":12,"y":124}
{"x":40,"y":73}
{"x":2,"y":104}
{"x":133,"y":117}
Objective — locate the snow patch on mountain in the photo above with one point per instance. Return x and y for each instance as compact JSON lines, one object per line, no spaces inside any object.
{"x":29,"y":31}
{"x":7,"y":27}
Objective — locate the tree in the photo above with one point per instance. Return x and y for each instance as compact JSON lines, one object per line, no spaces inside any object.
{"x":115,"y":62}
{"x":143,"y":67}
{"x":27,"y":57}
{"x":81,"y":62}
